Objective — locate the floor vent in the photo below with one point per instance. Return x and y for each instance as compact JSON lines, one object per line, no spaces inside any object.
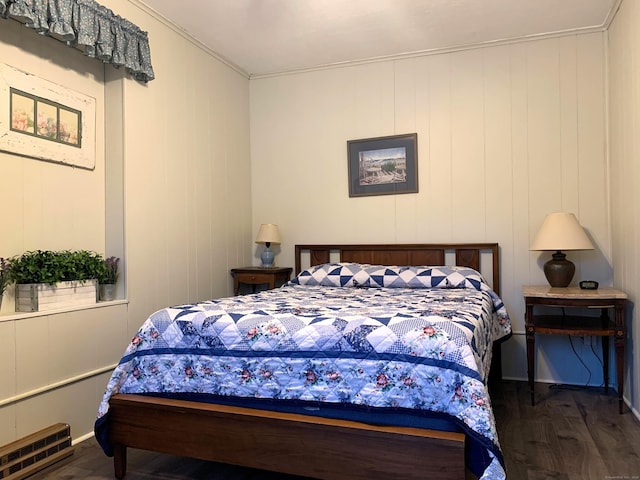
{"x":31,"y":454}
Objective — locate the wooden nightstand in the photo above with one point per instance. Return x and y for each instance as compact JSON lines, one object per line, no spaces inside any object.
{"x":273,"y":277}
{"x":567,"y":322}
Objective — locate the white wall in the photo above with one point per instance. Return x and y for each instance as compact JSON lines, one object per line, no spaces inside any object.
{"x":47,"y":205}
{"x":50,"y":206}
{"x":624,"y":85}
{"x":187,"y":172}
{"x":506,"y":134}
{"x":173,"y":188}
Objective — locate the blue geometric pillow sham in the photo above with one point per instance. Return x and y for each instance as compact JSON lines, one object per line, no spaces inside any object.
{"x":376,"y":276}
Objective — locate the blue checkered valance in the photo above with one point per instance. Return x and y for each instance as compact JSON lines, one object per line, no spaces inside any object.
{"x":89,"y":26}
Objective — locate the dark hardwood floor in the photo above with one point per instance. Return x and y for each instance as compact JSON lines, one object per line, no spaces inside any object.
{"x":570,"y":434}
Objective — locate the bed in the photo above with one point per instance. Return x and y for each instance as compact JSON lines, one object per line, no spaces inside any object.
{"x":373,"y":362}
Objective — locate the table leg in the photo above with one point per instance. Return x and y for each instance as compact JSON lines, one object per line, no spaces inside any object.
{"x":531,"y":364}
{"x":605,"y":363}
{"x":619,"y":346}
{"x":619,"y":343}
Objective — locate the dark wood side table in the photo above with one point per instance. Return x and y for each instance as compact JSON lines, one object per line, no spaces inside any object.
{"x":271,"y":276}
{"x":568,"y":321}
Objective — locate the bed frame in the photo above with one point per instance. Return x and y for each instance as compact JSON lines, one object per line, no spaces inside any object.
{"x":299,"y":444}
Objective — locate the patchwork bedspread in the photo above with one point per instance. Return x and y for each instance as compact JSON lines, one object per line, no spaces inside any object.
{"x":395,"y":348}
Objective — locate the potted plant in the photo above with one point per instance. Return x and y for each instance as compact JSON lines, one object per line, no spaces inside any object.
{"x":107,"y":279}
{"x":48,"y":279}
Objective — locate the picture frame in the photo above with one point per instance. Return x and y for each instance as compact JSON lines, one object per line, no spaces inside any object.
{"x":383,"y":165}
{"x":46,"y":121}
{"x":42,"y":118}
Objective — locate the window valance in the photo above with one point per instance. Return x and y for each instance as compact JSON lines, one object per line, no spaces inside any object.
{"x":88,"y":26}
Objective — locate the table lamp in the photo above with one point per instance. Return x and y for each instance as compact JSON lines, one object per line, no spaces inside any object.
{"x":560,"y":231}
{"x":268,"y":234}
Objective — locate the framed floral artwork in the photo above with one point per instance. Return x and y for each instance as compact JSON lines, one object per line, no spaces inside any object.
{"x":46,"y":121}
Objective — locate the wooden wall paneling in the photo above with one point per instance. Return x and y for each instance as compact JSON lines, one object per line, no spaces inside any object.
{"x":232,"y":237}
{"x":544,"y":168}
{"x":199,"y":198}
{"x":568,"y":164}
{"x":498,"y":151}
{"x":407,"y":207}
{"x":405,"y":88}
{"x":468,"y":151}
{"x":593,"y":189}
{"x":522,"y":261}
{"x":437,"y":210}
{"x":543,"y":130}
{"x":174,"y":280}
{"x":624,"y":102}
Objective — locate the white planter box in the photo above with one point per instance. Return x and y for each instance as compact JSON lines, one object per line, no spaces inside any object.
{"x":39,"y":297}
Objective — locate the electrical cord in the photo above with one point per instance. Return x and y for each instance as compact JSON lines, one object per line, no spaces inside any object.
{"x":581,"y":361}
{"x":600,"y":361}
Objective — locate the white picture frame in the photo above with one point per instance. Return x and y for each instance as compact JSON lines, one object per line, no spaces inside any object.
{"x":32,"y":142}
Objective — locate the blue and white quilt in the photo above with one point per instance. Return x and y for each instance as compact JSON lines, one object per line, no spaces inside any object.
{"x":393,"y":338}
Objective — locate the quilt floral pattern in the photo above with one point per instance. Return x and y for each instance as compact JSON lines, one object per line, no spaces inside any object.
{"x":409,"y":348}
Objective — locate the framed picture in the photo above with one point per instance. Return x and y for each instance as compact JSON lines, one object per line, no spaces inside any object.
{"x":46,"y":121}
{"x":36,"y":116}
{"x":383,"y":165}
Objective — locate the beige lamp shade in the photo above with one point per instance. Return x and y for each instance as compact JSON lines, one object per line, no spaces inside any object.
{"x":560,"y":231}
{"x":268,"y":234}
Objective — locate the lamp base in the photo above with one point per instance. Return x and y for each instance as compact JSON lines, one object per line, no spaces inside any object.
{"x":267,"y":258}
{"x":559,"y":271}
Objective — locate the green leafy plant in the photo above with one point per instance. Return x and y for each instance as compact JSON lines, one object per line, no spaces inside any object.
{"x":109,"y":273}
{"x":46,"y":266}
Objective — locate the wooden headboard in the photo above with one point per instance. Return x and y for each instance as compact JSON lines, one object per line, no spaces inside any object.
{"x":462,"y":254}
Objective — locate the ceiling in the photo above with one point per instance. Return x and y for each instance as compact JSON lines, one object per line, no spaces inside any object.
{"x":262,"y":37}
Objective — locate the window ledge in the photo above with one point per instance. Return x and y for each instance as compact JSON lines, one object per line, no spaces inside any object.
{"x":24,"y":315}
